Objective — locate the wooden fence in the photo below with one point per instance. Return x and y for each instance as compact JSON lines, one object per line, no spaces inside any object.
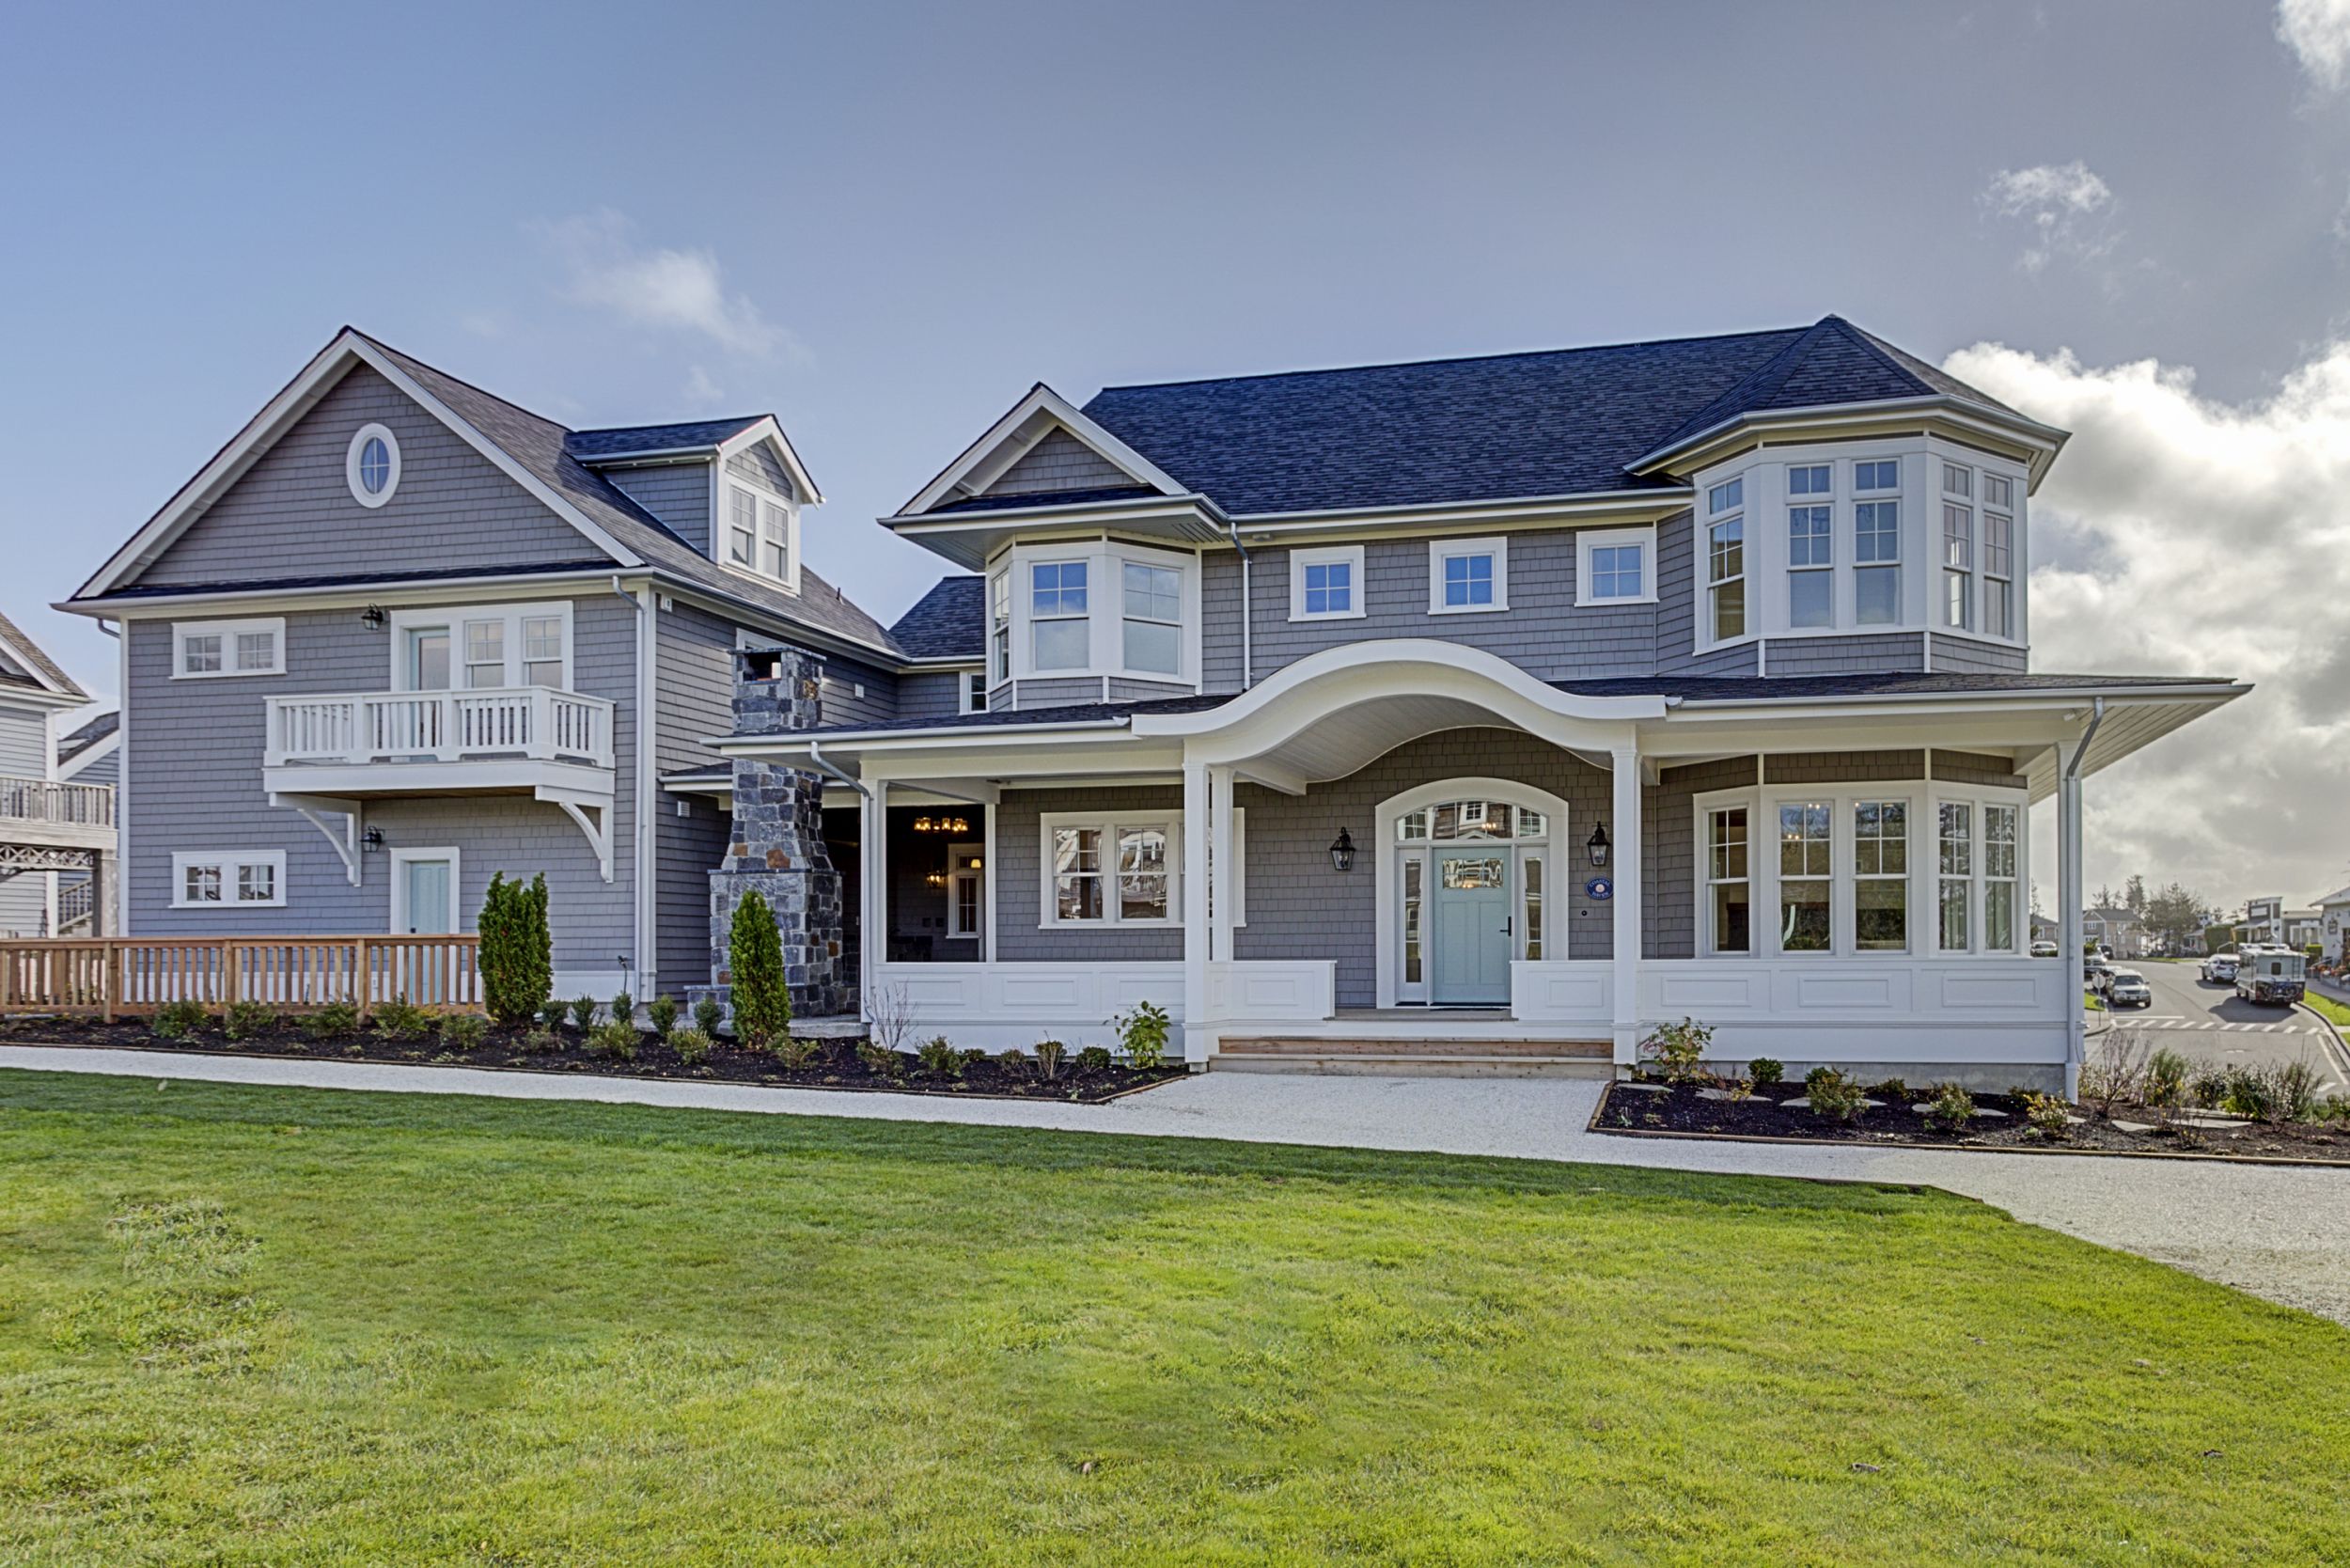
{"x":133,"y":976}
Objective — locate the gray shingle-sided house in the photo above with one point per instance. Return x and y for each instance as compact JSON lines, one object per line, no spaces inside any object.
{"x":55,"y":828}
{"x":1520,"y":702}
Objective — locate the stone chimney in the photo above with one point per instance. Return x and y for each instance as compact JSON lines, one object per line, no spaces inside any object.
{"x":776,"y":843}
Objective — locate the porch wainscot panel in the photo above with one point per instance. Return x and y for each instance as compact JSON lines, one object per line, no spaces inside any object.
{"x":997,"y":1006}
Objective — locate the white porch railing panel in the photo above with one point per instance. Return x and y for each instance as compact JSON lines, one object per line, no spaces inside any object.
{"x":1269,"y":991}
{"x":1561,"y":991}
{"x":993,"y":1006}
{"x":1894,"y":1009}
{"x":537,"y":723}
{"x":51,"y":804}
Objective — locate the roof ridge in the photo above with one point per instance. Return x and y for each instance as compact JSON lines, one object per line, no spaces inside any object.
{"x":1454,"y":359}
{"x":1869,"y":341}
{"x":672,"y":424}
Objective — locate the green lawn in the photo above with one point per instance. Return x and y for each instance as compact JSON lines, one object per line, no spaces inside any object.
{"x":272,"y":1327}
{"x":2327,"y":1008}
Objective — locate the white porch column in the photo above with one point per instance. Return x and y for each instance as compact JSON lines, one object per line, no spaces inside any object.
{"x":1625,"y":977}
{"x":872,"y":894}
{"x":1223,"y":864}
{"x":2069,"y":913}
{"x":987,"y":884}
{"x":1195,"y":934}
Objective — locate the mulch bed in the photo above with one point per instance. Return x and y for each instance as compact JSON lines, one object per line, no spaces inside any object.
{"x":1681,"y":1111}
{"x":835,"y":1066}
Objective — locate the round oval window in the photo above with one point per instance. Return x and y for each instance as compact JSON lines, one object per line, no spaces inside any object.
{"x":375,"y":465}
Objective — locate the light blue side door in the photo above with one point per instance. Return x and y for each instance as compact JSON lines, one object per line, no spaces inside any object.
{"x":428,"y":907}
{"x":1469,"y":923}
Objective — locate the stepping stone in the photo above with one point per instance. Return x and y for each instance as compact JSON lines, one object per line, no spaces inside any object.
{"x":2135,"y":1126}
{"x":1804,"y":1103}
{"x":1645,"y":1089}
{"x":1979,"y":1110}
{"x":1721,"y":1094}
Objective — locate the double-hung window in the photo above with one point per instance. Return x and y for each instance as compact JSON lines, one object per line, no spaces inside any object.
{"x":202,"y":649}
{"x":1467,"y":575}
{"x":1729,"y":902}
{"x":1880,"y":832}
{"x":1876,"y":543}
{"x":1811,"y":546}
{"x":1109,"y":873}
{"x":252,"y":878}
{"x":742,"y":526}
{"x":1806,"y":877}
{"x":999,"y":628}
{"x":1999,"y":877}
{"x":758,"y":533}
{"x":1154,"y":618}
{"x":973,"y":693}
{"x":1999,"y":555}
{"x":1726,"y":560}
{"x":1326,"y":584}
{"x":1058,"y":626}
{"x":485,"y":654}
{"x":1956,"y":869}
{"x":1958,"y":547}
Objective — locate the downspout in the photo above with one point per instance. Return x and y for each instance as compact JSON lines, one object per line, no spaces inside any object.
{"x":2096,"y":717}
{"x":815,"y":759}
{"x":1247,"y":672}
{"x":116,"y":909}
{"x":642,"y":877}
{"x":2072,"y":822}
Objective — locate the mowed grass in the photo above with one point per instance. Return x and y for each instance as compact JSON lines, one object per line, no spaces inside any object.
{"x":244,"y":1325}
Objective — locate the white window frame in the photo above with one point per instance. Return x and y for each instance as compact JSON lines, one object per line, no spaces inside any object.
{"x":1127,"y":618}
{"x":228,"y":632}
{"x":999,"y":612}
{"x":1764,"y":878}
{"x":1873,"y":499}
{"x":958,"y":874}
{"x":774,"y":525}
{"x":1905,"y":880}
{"x":454,"y":617}
{"x":1997,"y":587}
{"x":359,"y":440}
{"x":971,"y":691}
{"x":1105,"y":620}
{"x":1709,"y":940}
{"x":1980,"y":801}
{"x":228,"y":863}
{"x":1590,"y":539}
{"x":1025,"y":591}
{"x":1169,"y":821}
{"x":1823,"y":568}
{"x":399,"y":887}
{"x":1348,"y":555}
{"x":1443,"y":550}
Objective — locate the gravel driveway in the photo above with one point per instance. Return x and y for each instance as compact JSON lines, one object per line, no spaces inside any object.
{"x":2277,"y":1232}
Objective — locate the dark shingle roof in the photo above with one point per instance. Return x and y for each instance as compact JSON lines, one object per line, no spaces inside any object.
{"x":622,"y":440}
{"x":37,"y":656}
{"x":77,"y":742}
{"x":1559,"y":422}
{"x":946,"y":622}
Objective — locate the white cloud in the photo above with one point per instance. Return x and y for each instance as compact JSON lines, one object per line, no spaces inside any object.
{"x":701,"y":390}
{"x":2180,"y":535}
{"x":684,"y":289}
{"x":2318,"y":33}
{"x":2068,"y":207}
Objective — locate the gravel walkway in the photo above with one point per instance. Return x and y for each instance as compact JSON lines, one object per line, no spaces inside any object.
{"x":2275,"y":1230}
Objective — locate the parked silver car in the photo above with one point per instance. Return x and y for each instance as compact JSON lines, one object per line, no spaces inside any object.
{"x":2219,"y":969}
{"x":2128,"y":988}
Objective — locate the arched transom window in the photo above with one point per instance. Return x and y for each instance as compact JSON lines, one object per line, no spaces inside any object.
{"x":1453,"y":820}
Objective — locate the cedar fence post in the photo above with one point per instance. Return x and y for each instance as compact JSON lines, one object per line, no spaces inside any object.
{"x":362,"y":980}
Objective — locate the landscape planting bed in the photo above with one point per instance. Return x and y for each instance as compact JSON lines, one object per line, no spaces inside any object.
{"x":1691,"y":1110}
{"x":835,"y":1065}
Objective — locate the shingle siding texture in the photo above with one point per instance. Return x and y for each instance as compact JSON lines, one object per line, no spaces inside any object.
{"x":1966,"y":656}
{"x":1019,"y":879}
{"x":758,"y":464}
{"x":199,"y":788}
{"x":292,"y":514}
{"x":24,"y":754}
{"x":676,"y":492}
{"x":1059,"y":463}
{"x":1962,"y":767}
{"x":1891,"y":651}
{"x":924,"y":694}
{"x":694,"y":690}
{"x":1679,"y":604}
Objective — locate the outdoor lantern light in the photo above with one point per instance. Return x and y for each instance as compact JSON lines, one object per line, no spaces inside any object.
{"x":1597,"y":846}
{"x":1342,"y":852}
{"x":372,"y":838}
{"x":373,"y":617}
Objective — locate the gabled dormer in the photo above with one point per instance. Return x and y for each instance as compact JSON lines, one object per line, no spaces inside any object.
{"x":734,"y":489}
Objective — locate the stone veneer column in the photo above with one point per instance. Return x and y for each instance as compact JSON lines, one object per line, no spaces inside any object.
{"x":777,"y":842}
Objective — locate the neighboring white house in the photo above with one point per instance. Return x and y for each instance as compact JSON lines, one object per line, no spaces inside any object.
{"x":55,"y":831}
{"x":2121,"y":931}
{"x":2333,"y":915}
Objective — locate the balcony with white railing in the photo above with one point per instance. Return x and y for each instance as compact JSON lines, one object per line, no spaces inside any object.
{"x":42,"y":812}
{"x":506,"y":739}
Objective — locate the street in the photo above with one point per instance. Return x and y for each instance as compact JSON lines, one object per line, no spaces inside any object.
{"x":2210,"y":1023}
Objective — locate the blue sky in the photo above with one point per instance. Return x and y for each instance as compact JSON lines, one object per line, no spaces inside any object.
{"x":883,"y":222}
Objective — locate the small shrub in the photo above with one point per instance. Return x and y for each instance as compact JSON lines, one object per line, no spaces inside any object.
{"x":584,"y":1014}
{"x":883,"y":1060}
{"x":1142,"y":1034}
{"x":542,"y":1042}
{"x":178,"y":1020}
{"x":763,"y":1002}
{"x":2297,"y":1092}
{"x":939,"y":1059}
{"x":691,"y":1045}
{"x":1095,"y":1059}
{"x":2117,"y":1074}
{"x":1049,"y":1056}
{"x":554,"y":1014}
{"x":971,"y":1058}
{"x":1013,"y":1062}
{"x":1952,"y":1109}
{"x":243,"y":1020}
{"x":1833,"y":1095}
{"x":2210,"y":1087}
{"x":614,"y":1039}
{"x":708,"y":1015}
{"x":401,"y":1019}
{"x":517,"y":955}
{"x":1766,"y":1071}
{"x":662,"y":1013}
{"x":2165,"y":1087}
{"x":2047,"y":1115}
{"x":1893,"y":1092}
{"x":334,"y":1020}
{"x":624,"y":1008}
{"x":1677,"y":1049}
{"x":2335,"y":1109}
{"x":2251,"y":1093}
{"x":464,"y":1031}
{"x":793,"y":1051}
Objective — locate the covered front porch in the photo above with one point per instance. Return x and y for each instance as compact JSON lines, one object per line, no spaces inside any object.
{"x":1401,"y":842}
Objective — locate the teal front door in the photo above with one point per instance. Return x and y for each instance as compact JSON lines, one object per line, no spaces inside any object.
{"x":1470,"y":926}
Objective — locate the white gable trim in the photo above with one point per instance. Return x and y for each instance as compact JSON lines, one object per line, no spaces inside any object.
{"x":25,"y":657}
{"x":766,"y":428}
{"x":98,"y":751}
{"x":262,"y":432}
{"x":1009,"y":439}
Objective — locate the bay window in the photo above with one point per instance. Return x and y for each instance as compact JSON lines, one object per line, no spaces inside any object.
{"x":1057,"y":615}
{"x":1811,"y":563}
{"x":1154,"y":618}
{"x":1110,"y":871}
{"x":1729,"y":898}
{"x":1099,"y":608}
{"x":1725,"y":578}
{"x":1957,"y":868}
{"x":1806,"y":866}
{"x":1999,"y":878}
{"x":1999,"y":557}
{"x":1881,"y":876}
{"x":999,"y":629}
{"x":1958,"y":547}
{"x":1876,"y":545}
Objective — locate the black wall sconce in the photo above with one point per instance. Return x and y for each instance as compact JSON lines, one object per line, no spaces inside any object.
{"x":373,"y":617}
{"x":1596,"y":846}
{"x":371,"y":839}
{"x":1342,"y":852}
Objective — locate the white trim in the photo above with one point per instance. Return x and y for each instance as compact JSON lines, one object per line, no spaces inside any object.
{"x":97,"y":751}
{"x":764,"y":499}
{"x":228,"y":863}
{"x":401,"y":860}
{"x":1168,"y":821}
{"x":455,"y":616}
{"x":1021,"y":426}
{"x":1443,"y":550}
{"x":1349,"y":555}
{"x":769,"y":428}
{"x":228,"y":632}
{"x":644,"y":874}
{"x":354,"y":456}
{"x":956,"y":874}
{"x":1388,"y":855}
{"x":964,"y":680}
{"x":21,"y":648}
{"x":1105,"y":619}
{"x":1588,"y":539}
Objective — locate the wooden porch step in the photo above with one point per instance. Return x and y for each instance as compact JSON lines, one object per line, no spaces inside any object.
{"x":1599,"y":1050}
{"x":1448,"y":1057}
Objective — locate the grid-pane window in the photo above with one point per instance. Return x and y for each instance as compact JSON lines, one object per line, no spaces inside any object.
{"x":201,"y":885}
{"x":1142,"y":873}
{"x":1330,"y":587}
{"x":1999,"y":880}
{"x":1057,"y":613}
{"x":1876,"y":554}
{"x":1804,"y":889}
{"x":1530,"y":872}
{"x":1998,"y":491}
{"x":742,"y":526}
{"x":1958,"y":564}
{"x":1726,"y":577}
{"x":543,"y":650}
{"x":1468,"y":580}
{"x":1154,"y":613}
{"x":1879,"y":473}
{"x":999,"y":628}
{"x":1728,"y":885}
{"x":1619,"y":570}
{"x":1077,"y":873}
{"x":1810,"y":553}
{"x":1413,"y":873}
{"x":1880,"y":875}
{"x":257,"y":650}
{"x":1956,"y":866}
{"x":257,"y":882}
{"x":1999,"y":570}
{"x":1810,"y":478}
{"x":774,"y":539}
{"x":1726,"y":498}
{"x":201,"y":655}
{"x":485,"y":654}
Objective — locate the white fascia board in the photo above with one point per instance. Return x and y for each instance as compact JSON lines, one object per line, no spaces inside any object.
{"x":438,"y":590}
{"x":2038,"y":699}
{"x":1628,"y":505}
{"x":1006,"y":734}
{"x":22,"y":652}
{"x":1040,"y":399}
{"x":79,"y":763}
{"x":1830,"y":419}
{"x":769,"y":428}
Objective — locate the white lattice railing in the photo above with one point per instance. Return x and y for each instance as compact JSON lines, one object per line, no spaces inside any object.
{"x":536,"y":722}
{"x":37,"y":800}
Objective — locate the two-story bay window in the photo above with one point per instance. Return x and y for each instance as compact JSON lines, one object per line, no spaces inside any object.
{"x":1726,"y":560}
{"x":2000,"y":877}
{"x":1999,"y":555}
{"x":999,"y":629}
{"x":1880,"y":831}
{"x":1058,"y":627}
{"x":1109,"y":871}
{"x":1876,"y":542}
{"x":1729,"y":887}
{"x":1806,"y":877}
{"x":1811,"y":567}
{"x":1154,"y":619}
{"x":1956,"y":870}
{"x":1958,"y":547}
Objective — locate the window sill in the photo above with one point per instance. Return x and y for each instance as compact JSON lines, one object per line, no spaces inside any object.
{"x":786,"y":584}
{"x":225,"y":907}
{"x":1328,"y":614}
{"x":1610,"y":603}
{"x":225,"y":674}
{"x":1109,"y":925}
{"x":1468,"y":609}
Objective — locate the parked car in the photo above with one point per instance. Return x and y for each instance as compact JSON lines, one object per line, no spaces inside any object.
{"x":2128,"y":988}
{"x":2219,"y":969}
{"x":2045,"y":950}
{"x":2276,"y":975}
{"x":2098,"y":973}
